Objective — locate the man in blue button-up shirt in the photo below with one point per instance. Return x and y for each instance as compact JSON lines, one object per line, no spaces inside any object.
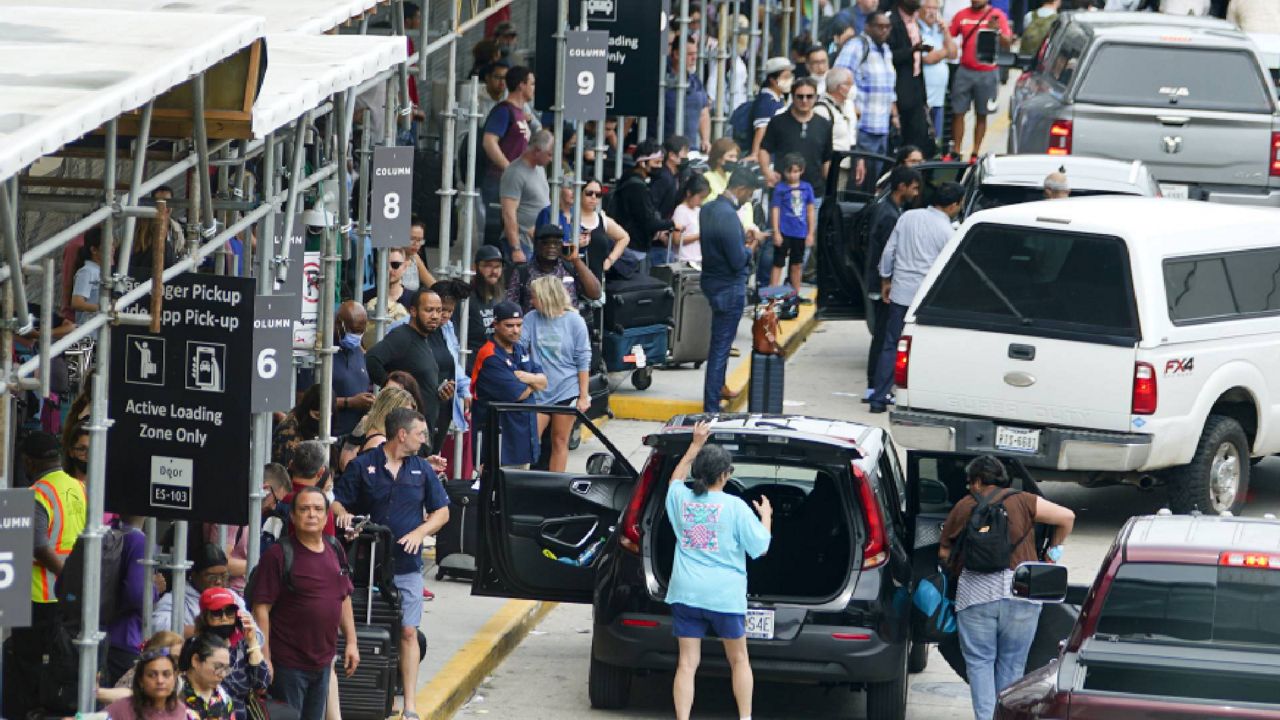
{"x":396,"y":488}
{"x":914,"y":245}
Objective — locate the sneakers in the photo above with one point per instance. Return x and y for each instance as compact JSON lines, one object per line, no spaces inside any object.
{"x":428,"y":595}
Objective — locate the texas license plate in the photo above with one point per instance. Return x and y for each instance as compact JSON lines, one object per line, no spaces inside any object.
{"x":759,"y":624}
{"x":1019,"y":440}
{"x":1175,"y":192}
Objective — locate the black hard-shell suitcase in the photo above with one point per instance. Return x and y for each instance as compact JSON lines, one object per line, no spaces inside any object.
{"x":636,"y":302}
{"x":457,"y":541}
{"x":369,"y":693}
{"x":765,"y":395}
{"x":690,"y":342}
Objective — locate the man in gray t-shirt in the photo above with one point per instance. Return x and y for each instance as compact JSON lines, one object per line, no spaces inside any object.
{"x":524,"y":192}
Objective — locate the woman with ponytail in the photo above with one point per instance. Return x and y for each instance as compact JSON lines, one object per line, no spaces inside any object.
{"x":715,"y":533}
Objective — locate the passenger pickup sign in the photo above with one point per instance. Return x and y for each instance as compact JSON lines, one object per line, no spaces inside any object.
{"x":179,"y":445}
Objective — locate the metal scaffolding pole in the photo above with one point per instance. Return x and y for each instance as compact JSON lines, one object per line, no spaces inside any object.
{"x":148,"y":561}
{"x":329,"y":260}
{"x":402,"y":70}
{"x":753,"y":51}
{"x":703,"y":56}
{"x":90,"y":636}
{"x":202,"y":153}
{"x":178,"y":585}
{"x":725,"y":40}
{"x":786,"y":31}
{"x":362,"y":205}
{"x":682,"y":70}
{"x":447,"y":191}
{"x":295,"y":170}
{"x":766,"y":39}
{"x":260,"y":450}
{"x":602,"y":148}
{"x":663,"y":59}
{"x":621,"y":135}
{"x":578,"y":151}
{"x":469,"y":196}
{"x":139,"y":172}
{"x":557,"y":159}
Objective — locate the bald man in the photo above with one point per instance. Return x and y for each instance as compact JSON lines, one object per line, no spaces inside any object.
{"x":351,"y":387}
{"x":1056,"y":186}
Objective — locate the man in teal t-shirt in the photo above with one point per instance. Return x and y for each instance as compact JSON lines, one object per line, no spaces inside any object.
{"x":715,"y":533}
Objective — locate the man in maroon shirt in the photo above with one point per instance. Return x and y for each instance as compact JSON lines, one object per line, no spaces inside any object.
{"x":300,"y":615}
{"x":507,"y":130}
{"x":976,"y":84}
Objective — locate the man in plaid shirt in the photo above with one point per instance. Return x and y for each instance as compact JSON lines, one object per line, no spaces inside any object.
{"x":870,"y":60}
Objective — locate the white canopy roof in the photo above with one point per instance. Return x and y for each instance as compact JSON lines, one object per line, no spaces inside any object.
{"x":310,"y":17}
{"x":68,"y":71}
{"x":304,"y":70}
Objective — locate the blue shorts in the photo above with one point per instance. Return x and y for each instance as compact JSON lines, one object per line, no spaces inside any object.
{"x":410,"y":585}
{"x":692,"y":622}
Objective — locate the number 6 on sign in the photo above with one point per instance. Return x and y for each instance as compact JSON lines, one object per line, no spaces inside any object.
{"x":391,"y":206}
{"x":267,"y":365}
{"x":6,"y":570}
{"x":586,"y":83}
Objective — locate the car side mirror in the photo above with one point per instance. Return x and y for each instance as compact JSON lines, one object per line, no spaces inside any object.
{"x":1007,"y":59}
{"x":600,"y":463}
{"x":1044,"y":582}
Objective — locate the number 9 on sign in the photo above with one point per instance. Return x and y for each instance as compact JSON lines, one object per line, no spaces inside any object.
{"x":391,"y":205}
{"x":586,"y":82}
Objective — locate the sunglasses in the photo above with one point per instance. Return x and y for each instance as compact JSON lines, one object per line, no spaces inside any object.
{"x":227,"y":613}
{"x":591,"y":193}
{"x":804,"y":97}
{"x":395,"y":264}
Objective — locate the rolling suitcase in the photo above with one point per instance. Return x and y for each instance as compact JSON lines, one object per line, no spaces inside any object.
{"x":369,"y":693}
{"x":637,"y":302}
{"x":765,"y":394}
{"x":691,"y":313}
{"x":457,"y":541}
{"x":637,"y":349}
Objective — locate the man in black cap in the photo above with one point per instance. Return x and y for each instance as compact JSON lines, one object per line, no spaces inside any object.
{"x":506,"y":372}
{"x":488,"y":288}
{"x":553,"y":256}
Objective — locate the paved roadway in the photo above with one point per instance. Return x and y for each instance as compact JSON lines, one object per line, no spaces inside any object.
{"x":546,"y":676}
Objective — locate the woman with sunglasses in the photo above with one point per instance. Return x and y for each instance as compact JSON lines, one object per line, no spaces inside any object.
{"x":155,"y":689}
{"x":249,"y":672}
{"x":205,"y":663}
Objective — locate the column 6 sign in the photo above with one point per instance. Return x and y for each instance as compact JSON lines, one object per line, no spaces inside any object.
{"x":392,"y":196}
{"x":586,"y":64}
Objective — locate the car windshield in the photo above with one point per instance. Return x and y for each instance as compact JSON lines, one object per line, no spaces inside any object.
{"x":1036,"y":282}
{"x":1189,"y":79}
{"x":1192,"y":603}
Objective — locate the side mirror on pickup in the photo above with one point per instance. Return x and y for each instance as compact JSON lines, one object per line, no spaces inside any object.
{"x":1007,"y":59}
{"x":600,"y":464}
{"x":1044,"y":582}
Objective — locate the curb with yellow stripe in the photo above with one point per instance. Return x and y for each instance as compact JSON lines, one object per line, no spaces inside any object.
{"x":660,"y":409}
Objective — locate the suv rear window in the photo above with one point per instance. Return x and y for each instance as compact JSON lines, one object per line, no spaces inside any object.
{"x":1031,"y":281}
{"x":1193,"y":603}
{"x":1159,"y":76}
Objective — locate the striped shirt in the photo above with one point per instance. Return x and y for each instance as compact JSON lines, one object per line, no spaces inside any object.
{"x":978,"y":588}
{"x":874,"y":77}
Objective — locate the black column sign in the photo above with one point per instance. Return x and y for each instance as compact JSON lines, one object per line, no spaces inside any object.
{"x":287,"y":279}
{"x":179,"y":445}
{"x":585,"y":71}
{"x":272,"y":353}
{"x":16,"y":542}
{"x":636,"y":40}
{"x":391,"y":196}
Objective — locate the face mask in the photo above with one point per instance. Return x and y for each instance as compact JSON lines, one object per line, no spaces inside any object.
{"x":222,"y":631}
{"x":683,"y":166}
{"x":329,"y":494}
{"x":784,"y":86}
{"x":732,"y":165}
{"x":77,"y":466}
{"x":350,"y":341}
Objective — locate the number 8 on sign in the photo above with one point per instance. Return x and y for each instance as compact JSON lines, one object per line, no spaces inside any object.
{"x":586,"y":82}
{"x":391,"y":206}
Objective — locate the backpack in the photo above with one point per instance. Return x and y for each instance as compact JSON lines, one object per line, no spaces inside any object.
{"x":1033,"y":37}
{"x":740,"y":123}
{"x":933,"y":609}
{"x":286,"y":545}
{"x":985,"y":539}
{"x":70,"y":585}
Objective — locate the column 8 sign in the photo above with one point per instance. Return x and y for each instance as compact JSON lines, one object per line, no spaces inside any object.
{"x":392,"y":196}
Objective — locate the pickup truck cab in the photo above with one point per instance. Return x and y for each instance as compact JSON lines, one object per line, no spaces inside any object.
{"x":1108,"y":339}
{"x":1189,"y":96}
{"x":1180,"y":623}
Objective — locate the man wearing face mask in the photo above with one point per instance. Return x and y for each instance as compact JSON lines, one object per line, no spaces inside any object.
{"x":351,"y":386}
{"x":635,"y":209}
{"x":406,"y":348}
{"x":665,"y":182}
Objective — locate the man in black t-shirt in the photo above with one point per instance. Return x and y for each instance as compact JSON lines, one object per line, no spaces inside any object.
{"x":799,"y":130}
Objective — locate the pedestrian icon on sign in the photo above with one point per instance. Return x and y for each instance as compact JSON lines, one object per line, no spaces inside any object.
{"x":206,"y":366}
{"x":144,"y":360}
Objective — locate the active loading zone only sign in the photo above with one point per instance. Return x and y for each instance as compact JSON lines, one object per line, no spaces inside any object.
{"x":179,"y":444}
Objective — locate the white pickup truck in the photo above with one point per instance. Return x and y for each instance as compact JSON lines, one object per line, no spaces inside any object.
{"x":1118,"y":339}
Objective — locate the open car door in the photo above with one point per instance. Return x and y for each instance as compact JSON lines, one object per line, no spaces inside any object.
{"x":935,"y":483}
{"x":542,"y":533}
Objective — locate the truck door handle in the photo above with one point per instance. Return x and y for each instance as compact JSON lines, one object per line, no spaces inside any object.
{"x":1173,"y":120}
{"x":1018,"y":351}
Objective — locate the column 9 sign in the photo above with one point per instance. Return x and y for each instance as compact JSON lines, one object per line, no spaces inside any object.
{"x":392,"y":188}
{"x":587,"y":62}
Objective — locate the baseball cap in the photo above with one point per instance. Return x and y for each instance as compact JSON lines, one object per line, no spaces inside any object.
{"x":41,"y":445}
{"x":216,"y":598}
{"x":504,"y":29}
{"x":777,"y":65}
{"x":547,"y":232}
{"x":506,"y":310}
{"x":488,"y":252}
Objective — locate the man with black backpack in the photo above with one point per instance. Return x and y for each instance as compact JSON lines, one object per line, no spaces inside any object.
{"x":989,"y":533}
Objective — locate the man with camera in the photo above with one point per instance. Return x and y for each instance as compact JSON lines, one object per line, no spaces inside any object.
{"x":553,"y":256}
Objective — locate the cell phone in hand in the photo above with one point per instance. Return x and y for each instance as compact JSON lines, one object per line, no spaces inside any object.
{"x":926,"y":48}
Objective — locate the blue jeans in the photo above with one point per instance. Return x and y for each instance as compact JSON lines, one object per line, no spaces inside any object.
{"x":726,"y":310}
{"x":764,"y":265}
{"x":871,"y":142}
{"x":306,"y":691}
{"x":895,"y":318}
{"x":995,"y":638}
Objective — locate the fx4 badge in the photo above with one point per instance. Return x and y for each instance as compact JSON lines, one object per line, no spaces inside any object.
{"x":1179,"y":366}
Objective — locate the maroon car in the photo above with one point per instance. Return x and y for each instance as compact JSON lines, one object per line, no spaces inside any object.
{"x":1183,"y":621}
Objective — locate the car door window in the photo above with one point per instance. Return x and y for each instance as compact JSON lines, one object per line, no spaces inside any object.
{"x":1063,"y":60}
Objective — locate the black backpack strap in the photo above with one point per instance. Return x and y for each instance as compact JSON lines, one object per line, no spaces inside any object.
{"x":338,"y":553}
{"x":286,"y":546}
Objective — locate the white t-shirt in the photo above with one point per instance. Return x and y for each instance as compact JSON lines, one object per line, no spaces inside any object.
{"x":687,"y":218}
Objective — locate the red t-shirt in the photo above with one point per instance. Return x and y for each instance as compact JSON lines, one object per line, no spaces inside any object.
{"x":304,"y":623}
{"x":966,"y":23}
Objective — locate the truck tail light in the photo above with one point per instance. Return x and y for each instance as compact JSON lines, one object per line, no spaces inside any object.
{"x":1264,"y":561}
{"x":1060,"y":137}
{"x":1275,"y":154}
{"x":902,"y":363}
{"x":631,"y":519}
{"x":875,"y":551}
{"x":1145,"y":396}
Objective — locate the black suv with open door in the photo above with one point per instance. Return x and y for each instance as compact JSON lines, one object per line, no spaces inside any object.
{"x":829,"y":603}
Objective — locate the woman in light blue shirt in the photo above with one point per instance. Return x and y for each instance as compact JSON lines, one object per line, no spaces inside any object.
{"x":558,"y":340}
{"x":715,"y":533}
{"x":937,"y":68}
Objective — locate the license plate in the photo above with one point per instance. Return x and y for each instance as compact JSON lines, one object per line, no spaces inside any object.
{"x":1017,"y":439}
{"x":759,"y":624}
{"x":1175,"y":192}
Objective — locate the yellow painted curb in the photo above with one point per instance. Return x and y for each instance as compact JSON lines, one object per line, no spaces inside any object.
{"x":656,"y":409}
{"x":450,"y":689}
